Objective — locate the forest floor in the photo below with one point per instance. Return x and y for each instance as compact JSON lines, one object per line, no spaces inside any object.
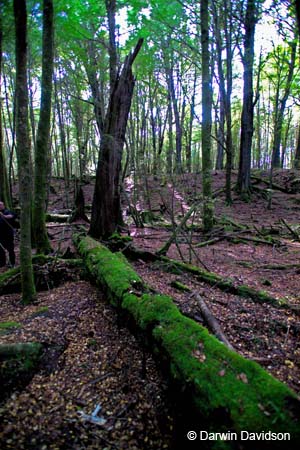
{"x":94,"y":360}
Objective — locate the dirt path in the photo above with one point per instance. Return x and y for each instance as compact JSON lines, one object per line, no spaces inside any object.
{"x":93,"y":360}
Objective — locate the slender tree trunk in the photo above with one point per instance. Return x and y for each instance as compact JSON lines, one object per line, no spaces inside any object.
{"x":168,"y":63}
{"x":23,"y":151}
{"x":170,"y":149}
{"x":4,"y":188}
{"x":285,"y":138}
{"x":281,"y":108}
{"x":178,"y":129}
{"x":208,"y":210}
{"x":244,"y":180}
{"x":43,"y":133}
{"x":91,"y":71}
{"x":113,"y":56}
{"x":190,"y":128}
{"x":296,"y":163}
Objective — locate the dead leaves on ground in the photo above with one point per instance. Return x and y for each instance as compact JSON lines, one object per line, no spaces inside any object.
{"x":100,"y":364}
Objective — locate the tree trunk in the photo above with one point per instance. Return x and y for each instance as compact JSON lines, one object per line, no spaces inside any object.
{"x":178,"y":128}
{"x":296,"y":163}
{"x":4,"y":188}
{"x":106,"y":209}
{"x":244,"y":180}
{"x":208,"y":210}
{"x":113,"y":57}
{"x":276,"y":161}
{"x":23,"y":151}
{"x":42,"y":141}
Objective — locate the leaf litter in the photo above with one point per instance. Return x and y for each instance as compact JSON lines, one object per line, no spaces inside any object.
{"x":98,"y":365}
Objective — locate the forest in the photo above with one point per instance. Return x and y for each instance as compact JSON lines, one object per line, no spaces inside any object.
{"x":149,"y":224}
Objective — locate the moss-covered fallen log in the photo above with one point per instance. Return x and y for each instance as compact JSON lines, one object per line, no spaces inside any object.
{"x":226,"y":284}
{"x":220,"y":387}
{"x":18,"y":363}
{"x":28,"y":350}
{"x":58,"y":218}
{"x":211,"y":278}
{"x":46,"y":268}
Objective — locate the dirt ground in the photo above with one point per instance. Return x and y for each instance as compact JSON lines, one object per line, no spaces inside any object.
{"x":93,"y":360}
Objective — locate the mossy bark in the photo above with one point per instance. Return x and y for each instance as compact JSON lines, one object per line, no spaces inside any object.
{"x":222,"y":386}
{"x":23,"y":151}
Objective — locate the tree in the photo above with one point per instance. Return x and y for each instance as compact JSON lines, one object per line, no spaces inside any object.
{"x":42,"y":140}
{"x":206,"y":119}
{"x":224,"y":11}
{"x":251,"y":18}
{"x":23,"y":151}
{"x":4,"y":189}
{"x":296,"y":162}
{"x":280,"y":102}
{"x":106,"y":211}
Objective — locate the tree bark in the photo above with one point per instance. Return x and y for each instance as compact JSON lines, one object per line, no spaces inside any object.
{"x":279,"y":115}
{"x":42,"y":141}
{"x":106,"y":209}
{"x":206,"y":119}
{"x":23,"y":151}
{"x":296,"y":163}
{"x":244,"y":180}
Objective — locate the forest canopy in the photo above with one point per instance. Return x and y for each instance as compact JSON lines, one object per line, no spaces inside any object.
{"x":164,"y":125}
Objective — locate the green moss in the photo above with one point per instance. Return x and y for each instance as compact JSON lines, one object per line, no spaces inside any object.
{"x":5,"y":276}
{"x":43,"y":310}
{"x":217,"y":377}
{"x":111,"y":269}
{"x":180,"y":286}
{"x":9,"y":325}
{"x":118,"y":238}
{"x":213,"y":377}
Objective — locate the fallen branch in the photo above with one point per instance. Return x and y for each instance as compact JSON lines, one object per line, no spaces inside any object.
{"x":290,"y":229}
{"x":163,"y":250}
{"x":208,"y":316}
{"x":275,"y":186}
{"x":211,"y":321}
{"x":244,"y":239}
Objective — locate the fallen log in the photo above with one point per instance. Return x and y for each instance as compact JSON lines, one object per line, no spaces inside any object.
{"x":290,"y":229}
{"x":58,"y":218}
{"x":275,"y":186}
{"x":31,"y":350}
{"x":211,"y":278}
{"x":215,"y":384}
{"x":10,"y":281}
{"x":227,"y":285}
